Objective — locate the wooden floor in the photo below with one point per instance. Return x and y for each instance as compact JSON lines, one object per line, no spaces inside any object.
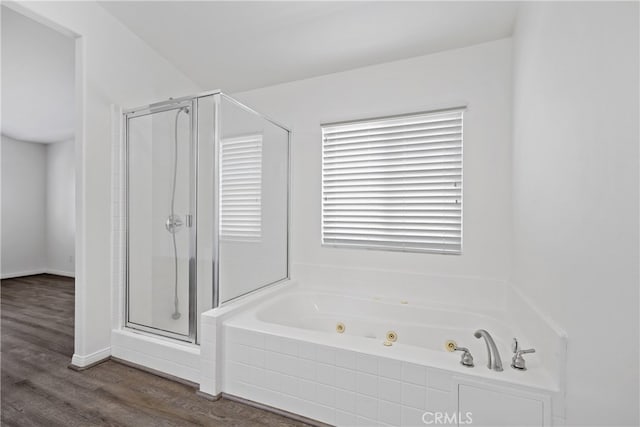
{"x":38,"y":389}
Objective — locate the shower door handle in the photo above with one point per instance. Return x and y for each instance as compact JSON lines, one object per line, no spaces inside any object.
{"x":173,"y":224}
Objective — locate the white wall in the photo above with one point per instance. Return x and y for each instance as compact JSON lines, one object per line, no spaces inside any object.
{"x":38,"y":106}
{"x":38,"y":209}
{"x":477,"y":76}
{"x":23,"y":207}
{"x":60,"y":211}
{"x":37,"y":64}
{"x":575,"y":192}
{"x":116,"y":67}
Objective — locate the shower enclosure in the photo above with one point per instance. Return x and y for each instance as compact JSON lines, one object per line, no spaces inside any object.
{"x":206,"y":194}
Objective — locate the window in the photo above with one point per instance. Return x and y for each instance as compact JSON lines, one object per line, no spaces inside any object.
{"x":241,"y":188}
{"x":394,"y":183}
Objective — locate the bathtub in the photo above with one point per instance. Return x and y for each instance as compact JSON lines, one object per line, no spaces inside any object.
{"x":287,"y":352}
{"x":372,"y":318}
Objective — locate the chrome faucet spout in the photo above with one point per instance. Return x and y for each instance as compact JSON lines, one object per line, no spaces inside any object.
{"x":495,"y":362}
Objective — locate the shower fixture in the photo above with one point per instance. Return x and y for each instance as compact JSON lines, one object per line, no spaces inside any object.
{"x":174,"y":222}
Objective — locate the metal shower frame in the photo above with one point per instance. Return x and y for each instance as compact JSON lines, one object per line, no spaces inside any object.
{"x":191,"y":102}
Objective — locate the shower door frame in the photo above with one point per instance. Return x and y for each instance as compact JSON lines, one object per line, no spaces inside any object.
{"x":173,"y":104}
{"x":192,"y":102}
{"x":218,"y":202}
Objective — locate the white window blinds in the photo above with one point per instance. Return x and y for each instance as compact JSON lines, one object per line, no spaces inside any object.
{"x":241,"y":188}
{"x":394,"y":183}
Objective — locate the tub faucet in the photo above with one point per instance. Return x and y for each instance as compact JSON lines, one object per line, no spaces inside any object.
{"x":495,"y":362}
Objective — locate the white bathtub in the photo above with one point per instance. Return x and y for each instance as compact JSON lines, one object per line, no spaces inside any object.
{"x":372,"y":318}
{"x":285,"y":352}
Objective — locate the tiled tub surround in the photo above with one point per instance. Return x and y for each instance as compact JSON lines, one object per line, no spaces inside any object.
{"x":284,"y":352}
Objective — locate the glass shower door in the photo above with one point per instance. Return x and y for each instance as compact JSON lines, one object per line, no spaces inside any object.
{"x":161,"y":163}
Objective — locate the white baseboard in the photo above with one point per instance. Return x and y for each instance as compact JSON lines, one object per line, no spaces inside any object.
{"x":86,"y":360}
{"x":39,"y":271}
{"x":61,"y":273}
{"x":22,"y":273}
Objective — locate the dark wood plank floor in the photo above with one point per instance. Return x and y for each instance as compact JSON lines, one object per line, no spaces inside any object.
{"x":38,"y":389}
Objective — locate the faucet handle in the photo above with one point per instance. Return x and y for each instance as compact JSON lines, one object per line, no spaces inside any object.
{"x":518,"y":362}
{"x":467,"y":358}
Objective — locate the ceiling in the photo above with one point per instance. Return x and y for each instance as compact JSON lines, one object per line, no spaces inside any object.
{"x":236,"y":46}
{"x":37,"y":81}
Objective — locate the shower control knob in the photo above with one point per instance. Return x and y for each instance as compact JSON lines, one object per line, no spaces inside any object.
{"x":173,"y":223}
